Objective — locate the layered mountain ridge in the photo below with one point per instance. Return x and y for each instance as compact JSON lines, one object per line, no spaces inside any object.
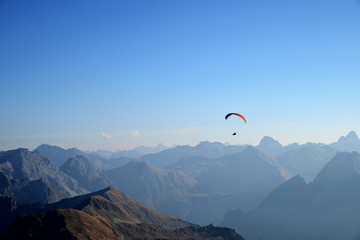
{"x":327,"y":208}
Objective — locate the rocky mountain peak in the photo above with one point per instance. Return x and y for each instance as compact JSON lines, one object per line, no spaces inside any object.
{"x":85,"y":173}
{"x":350,"y":137}
{"x":270,"y":145}
{"x":350,"y":142}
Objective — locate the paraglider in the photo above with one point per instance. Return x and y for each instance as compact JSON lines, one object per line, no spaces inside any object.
{"x":237,"y":114}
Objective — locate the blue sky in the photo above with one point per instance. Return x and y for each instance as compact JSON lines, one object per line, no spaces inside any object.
{"x":119,"y":74}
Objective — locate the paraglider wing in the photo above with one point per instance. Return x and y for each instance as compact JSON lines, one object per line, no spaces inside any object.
{"x":237,"y":114}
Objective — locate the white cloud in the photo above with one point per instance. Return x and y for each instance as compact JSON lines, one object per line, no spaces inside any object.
{"x":134,"y":133}
{"x":107,"y":136}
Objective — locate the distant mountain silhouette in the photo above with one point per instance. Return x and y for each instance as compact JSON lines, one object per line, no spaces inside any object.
{"x":21,"y":164}
{"x":114,"y":163}
{"x":205,"y":149}
{"x":57,"y":154}
{"x":306,"y":160}
{"x":103,"y":153}
{"x":60,"y":155}
{"x":140,"y":151}
{"x":349,"y":143}
{"x":148,"y":150}
{"x":133,"y":153}
{"x":270,"y":145}
{"x":85,"y":173}
{"x":328,"y":208}
{"x":108,"y":214}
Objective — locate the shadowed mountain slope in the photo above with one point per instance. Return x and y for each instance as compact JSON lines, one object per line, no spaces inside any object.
{"x":307,"y":160}
{"x":60,"y":224}
{"x":327,"y":208}
{"x":22,"y":164}
{"x":28,"y":192}
{"x":85,"y":173}
{"x":150,"y":185}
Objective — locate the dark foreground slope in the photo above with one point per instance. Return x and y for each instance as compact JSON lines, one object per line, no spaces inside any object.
{"x":108,"y":214}
{"x":59,"y":224}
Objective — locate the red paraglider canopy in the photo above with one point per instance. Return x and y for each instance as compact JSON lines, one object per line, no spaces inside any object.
{"x":237,"y":114}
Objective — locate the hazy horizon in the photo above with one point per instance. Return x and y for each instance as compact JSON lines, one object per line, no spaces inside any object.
{"x":174,"y":145}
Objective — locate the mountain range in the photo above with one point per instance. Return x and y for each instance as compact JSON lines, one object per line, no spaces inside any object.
{"x":133,"y":153}
{"x":183,"y":181}
{"x":204,"y":149}
{"x":60,"y":155}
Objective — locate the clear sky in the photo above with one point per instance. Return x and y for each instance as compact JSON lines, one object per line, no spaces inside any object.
{"x":117,"y":74}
